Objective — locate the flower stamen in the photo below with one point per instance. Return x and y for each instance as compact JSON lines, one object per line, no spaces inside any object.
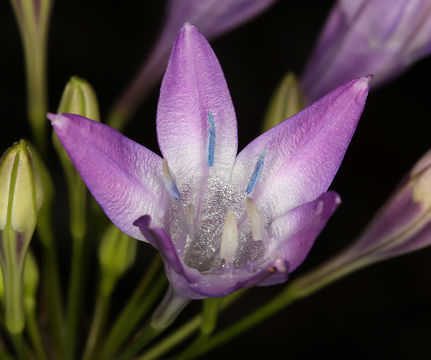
{"x":255,"y":176}
{"x":229,"y":238}
{"x":255,"y":219}
{"x":169,"y":181}
{"x":211,"y":139}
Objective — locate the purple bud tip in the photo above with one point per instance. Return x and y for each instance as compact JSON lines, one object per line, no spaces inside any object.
{"x":51,"y":116}
{"x":368,"y":77}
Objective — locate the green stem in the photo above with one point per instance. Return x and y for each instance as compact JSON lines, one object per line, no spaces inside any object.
{"x":148,"y":335}
{"x":78,"y":228}
{"x":186,"y":330}
{"x":137,"y":307}
{"x":210,"y":312}
{"x":52,"y":291}
{"x":33,"y":29}
{"x":99,"y":320}
{"x":51,"y":288}
{"x":4,"y":355}
{"x":13,"y":270}
{"x":19,"y":346}
{"x":173,"y":340}
{"x":74,"y":297}
{"x":34,"y":333}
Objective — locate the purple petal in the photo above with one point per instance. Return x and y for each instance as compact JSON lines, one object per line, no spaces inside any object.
{"x":304,"y":152}
{"x":368,"y":37}
{"x":295,"y":232}
{"x":194,"y":91}
{"x":179,"y":275}
{"x":123,"y":176}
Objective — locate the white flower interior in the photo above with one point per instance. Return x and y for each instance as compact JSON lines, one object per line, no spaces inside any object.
{"x":216,"y":227}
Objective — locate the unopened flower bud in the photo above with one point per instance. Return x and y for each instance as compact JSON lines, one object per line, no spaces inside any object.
{"x":401,"y":226}
{"x":20,"y":190}
{"x":117,"y":253}
{"x":287,"y":101}
{"x":79,"y":98}
{"x":404,"y":222}
{"x":20,"y":201}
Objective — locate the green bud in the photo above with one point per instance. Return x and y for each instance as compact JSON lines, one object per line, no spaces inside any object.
{"x":287,"y":101}
{"x":20,"y":200}
{"x":117,"y":253}
{"x":79,"y":98}
{"x":21,"y":191}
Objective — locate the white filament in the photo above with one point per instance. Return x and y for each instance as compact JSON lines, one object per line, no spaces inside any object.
{"x":255,"y":219}
{"x":229,"y":238}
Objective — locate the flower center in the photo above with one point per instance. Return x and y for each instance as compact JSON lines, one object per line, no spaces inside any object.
{"x":217,"y":229}
{"x":213,"y":223}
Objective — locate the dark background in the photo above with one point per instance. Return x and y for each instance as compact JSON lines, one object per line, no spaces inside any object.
{"x":381,"y":312}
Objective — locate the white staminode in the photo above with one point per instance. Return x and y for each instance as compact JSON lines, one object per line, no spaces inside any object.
{"x":255,"y":219}
{"x":229,"y":238}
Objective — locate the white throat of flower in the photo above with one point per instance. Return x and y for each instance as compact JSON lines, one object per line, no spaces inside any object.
{"x":213,"y":223}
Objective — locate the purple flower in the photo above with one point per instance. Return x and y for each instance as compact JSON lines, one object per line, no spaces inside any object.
{"x":363,"y":37}
{"x":212,"y":17}
{"x":221,"y":221}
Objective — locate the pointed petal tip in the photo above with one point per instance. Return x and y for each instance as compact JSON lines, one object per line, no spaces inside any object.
{"x":368,"y":78}
{"x":51,"y":117}
{"x":188,"y":28}
{"x":363,"y":82}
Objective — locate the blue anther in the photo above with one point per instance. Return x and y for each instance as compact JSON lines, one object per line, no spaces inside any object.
{"x":256,"y":173}
{"x":173,"y":191}
{"x":211,"y":140}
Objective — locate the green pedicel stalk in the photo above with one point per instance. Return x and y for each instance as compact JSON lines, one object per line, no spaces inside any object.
{"x":117,"y":253}
{"x":137,"y":307}
{"x":51,"y":288}
{"x":186,"y":330}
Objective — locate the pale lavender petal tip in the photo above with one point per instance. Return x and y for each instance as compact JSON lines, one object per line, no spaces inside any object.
{"x":51,"y":117}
